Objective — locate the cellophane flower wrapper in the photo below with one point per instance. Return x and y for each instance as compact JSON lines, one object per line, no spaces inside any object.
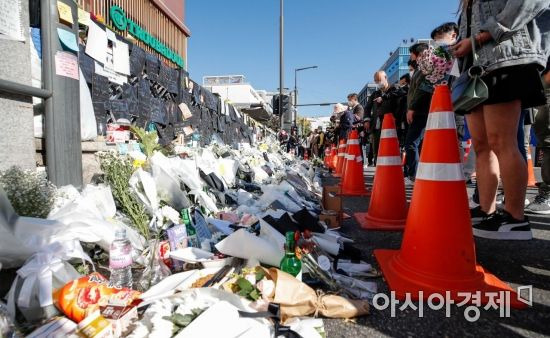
{"x":298,"y":299}
{"x":435,"y":64}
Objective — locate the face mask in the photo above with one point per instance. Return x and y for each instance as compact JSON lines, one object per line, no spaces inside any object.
{"x":411,"y":74}
{"x":350,"y":104}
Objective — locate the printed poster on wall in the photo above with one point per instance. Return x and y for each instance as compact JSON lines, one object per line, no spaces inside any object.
{"x":10,"y":20}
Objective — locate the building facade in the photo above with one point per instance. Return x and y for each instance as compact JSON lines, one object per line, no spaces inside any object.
{"x":397,"y":64}
{"x":241,"y":94}
{"x":364,"y":94}
{"x":162,"y":19}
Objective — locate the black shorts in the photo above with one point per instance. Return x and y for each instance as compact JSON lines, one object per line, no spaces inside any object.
{"x":521,"y":82}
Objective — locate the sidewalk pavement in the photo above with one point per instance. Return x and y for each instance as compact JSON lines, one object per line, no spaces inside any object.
{"x":516,"y":262}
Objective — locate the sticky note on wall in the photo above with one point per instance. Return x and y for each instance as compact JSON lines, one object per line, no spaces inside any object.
{"x":65,"y":12}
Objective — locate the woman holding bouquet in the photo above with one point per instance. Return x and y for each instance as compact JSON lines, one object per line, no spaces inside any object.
{"x":509,"y":48}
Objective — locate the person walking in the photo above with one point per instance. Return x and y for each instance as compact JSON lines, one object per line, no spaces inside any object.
{"x":508,"y":44}
{"x":418,"y":104}
{"x":321,"y":143}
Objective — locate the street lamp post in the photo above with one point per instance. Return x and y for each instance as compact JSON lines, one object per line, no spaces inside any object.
{"x":281,"y":60}
{"x":296,"y":88}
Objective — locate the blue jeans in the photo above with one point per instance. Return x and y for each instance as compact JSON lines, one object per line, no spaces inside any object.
{"x":415,"y":134}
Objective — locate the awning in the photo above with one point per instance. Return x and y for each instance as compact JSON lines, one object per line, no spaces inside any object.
{"x":259,"y":112}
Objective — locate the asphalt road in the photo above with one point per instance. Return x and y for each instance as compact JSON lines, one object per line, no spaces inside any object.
{"x":515,"y":262}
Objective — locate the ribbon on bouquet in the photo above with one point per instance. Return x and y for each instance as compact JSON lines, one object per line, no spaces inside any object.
{"x":41,"y":269}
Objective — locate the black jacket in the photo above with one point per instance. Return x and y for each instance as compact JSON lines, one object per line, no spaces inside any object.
{"x":389,"y":104}
{"x":420,"y":94}
{"x":346,"y":123}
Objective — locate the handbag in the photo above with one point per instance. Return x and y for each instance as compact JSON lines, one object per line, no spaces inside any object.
{"x":469,"y":90}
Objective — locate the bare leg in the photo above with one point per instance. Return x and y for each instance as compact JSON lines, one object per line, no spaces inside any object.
{"x":486,"y":162}
{"x":501,"y":123}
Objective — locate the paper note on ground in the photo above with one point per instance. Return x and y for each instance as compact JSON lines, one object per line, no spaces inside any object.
{"x":96,"y":46}
{"x":187,"y":130}
{"x":10,"y":20}
{"x":68,"y":39}
{"x":121,"y":57}
{"x":65,"y":12}
{"x":185,"y":111}
{"x":66,"y":64}
{"x":83,"y":17}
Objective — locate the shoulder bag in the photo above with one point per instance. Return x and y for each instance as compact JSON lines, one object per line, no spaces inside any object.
{"x":469,"y":90}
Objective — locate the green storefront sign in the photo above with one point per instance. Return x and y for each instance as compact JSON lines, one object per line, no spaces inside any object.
{"x":121,"y":22}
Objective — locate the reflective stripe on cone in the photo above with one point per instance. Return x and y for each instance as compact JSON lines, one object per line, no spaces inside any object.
{"x":388,"y":133}
{"x":353,"y":142}
{"x":440,"y":172}
{"x":388,"y":160}
{"x":441,"y":120}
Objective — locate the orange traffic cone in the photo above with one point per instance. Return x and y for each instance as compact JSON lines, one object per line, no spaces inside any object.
{"x":341,"y":157}
{"x":326,"y":160}
{"x":388,"y":204}
{"x":353,"y":182}
{"x":467,"y":145}
{"x":531,"y":181}
{"x":334,"y":157}
{"x":437,"y":254}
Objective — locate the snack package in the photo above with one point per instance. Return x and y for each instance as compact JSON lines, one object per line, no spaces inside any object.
{"x":81,"y":297}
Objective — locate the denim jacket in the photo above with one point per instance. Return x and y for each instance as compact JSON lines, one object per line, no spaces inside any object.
{"x":519,"y":29}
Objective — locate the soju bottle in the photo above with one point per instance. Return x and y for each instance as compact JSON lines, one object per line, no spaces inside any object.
{"x":290,"y":263}
{"x":192,"y":239}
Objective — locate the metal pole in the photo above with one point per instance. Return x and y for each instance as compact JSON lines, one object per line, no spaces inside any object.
{"x":17,"y":88}
{"x":281,"y":64}
{"x":62,"y":109}
{"x":295,"y":87}
{"x":295,"y":114}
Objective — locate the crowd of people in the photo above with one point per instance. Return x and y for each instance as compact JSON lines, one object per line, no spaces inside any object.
{"x":511,"y":45}
{"x":310,"y":145}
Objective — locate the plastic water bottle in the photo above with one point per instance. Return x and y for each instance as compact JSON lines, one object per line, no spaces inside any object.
{"x":120,"y":261}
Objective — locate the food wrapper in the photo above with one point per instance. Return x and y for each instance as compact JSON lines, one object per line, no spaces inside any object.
{"x":83,"y":296}
{"x":297,"y":299}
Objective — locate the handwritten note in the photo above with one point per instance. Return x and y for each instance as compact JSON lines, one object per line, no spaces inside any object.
{"x":65,"y":12}
{"x":185,"y":111}
{"x":10,"y":20}
{"x":83,"y":17}
{"x":110,"y":34}
{"x":68,"y":39}
{"x":66,"y":64}
{"x":96,"y":46}
{"x":121,"y":57}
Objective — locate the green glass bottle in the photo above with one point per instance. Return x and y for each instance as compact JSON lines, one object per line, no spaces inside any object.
{"x":192,"y":239}
{"x":290,"y":263}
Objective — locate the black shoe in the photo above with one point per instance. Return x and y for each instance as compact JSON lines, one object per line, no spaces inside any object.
{"x":477,"y":215}
{"x":501,"y":225}
{"x":475,"y":197}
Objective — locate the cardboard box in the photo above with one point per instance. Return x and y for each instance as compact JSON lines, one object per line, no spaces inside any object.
{"x":331,"y":218}
{"x":95,"y":326}
{"x":120,"y":317}
{"x":331,"y":198}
